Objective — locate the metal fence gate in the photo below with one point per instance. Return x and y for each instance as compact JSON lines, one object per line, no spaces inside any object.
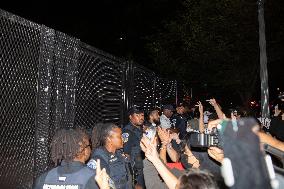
{"x":50,"y":80}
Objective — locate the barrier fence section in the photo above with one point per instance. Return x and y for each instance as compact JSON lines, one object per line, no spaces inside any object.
{"x":50,"y":80}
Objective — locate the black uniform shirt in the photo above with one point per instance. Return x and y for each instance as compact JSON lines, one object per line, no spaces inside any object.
{"x":132,"y":136}
{"x":69,"y":168}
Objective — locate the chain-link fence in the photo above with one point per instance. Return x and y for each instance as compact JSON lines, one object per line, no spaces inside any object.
{"x":19,"y":52}
{"x":50,"y":80}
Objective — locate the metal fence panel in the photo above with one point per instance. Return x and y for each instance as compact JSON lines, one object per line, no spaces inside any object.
{"x":50,"y":80}
{"x":19,"y":53}
{"x":165,"y":92}
{"x":143,"y":87}
{"x":99,"y":88}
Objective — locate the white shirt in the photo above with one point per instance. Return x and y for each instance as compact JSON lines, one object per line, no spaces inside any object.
{"x":165,"y":122}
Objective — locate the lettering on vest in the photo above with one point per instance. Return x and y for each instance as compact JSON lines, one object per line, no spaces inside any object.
{"x":61,"y":186}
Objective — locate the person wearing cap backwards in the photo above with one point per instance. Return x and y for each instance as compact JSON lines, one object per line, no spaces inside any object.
{"x":132,"y":134}
{"x":165,"y":117}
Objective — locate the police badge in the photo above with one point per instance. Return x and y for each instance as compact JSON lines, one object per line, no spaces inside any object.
{"x":92,"y":164}
{"x":125,"y":137}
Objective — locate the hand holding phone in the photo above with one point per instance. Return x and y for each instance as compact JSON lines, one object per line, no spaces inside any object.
{"x":150,"y":132}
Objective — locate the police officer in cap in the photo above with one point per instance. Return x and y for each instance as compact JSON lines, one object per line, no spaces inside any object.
{"x":70,"y":149}
{"x":109,"y":140}
{"x":180,"y":120}
{"x":132,"y":134}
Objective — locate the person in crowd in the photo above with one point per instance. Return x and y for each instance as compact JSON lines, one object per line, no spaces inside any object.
{"x":275,"y":179}
{"x":181,"y":120}
{"x":191,"y":180}
{"x":153,"y":117}
{"x":151,"y":175}
{"x":132,"y":134}
{"x":193,"y":157}
{"x":217,"y":108}
{"x":277,"y":122}
{"x":169,"y":143}
{"x":201,"y":120}
{"x":165,"y":118}
{"x":193,"y":124}
{"x":102,"y":178}
{"x":270,"y":140}
{"x":110,"y":155}
{"x":197,"y":157}
{"x":70,"y":148}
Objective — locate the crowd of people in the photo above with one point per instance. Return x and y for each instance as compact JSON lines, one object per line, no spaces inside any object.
{"x":172,"y":147}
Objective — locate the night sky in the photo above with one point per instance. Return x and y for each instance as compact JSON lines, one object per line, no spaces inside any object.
{"x":121,"y":27}
{"x":111,"y":25}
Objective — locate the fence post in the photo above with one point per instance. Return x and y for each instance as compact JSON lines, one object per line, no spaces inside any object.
{"x":265,"y":112}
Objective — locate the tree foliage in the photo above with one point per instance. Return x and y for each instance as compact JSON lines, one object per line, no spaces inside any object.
{"x":213,"y":42}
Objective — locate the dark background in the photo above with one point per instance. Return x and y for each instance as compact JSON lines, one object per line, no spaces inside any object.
{"x":125,"y":28}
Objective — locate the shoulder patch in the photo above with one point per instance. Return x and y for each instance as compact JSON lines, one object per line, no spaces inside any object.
{"x":92,"y":164}
{"x":125,"y":137}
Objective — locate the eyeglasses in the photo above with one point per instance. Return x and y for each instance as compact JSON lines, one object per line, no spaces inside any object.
{"x":89,"y":145}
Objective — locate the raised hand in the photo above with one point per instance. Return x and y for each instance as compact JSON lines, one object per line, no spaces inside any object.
{"x":175,"y":136}
{"x":214,"y":123}
{"x":101,"y":177}
{"x":164,"y":136}
{"x":200,"y":107}
{"x":213,"y":102}
{"x":149,"y":148}
{"x":216,"y":153}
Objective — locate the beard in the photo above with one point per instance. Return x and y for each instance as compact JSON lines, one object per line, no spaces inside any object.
{"x":157,"y":122}
{"x":140,"y":124}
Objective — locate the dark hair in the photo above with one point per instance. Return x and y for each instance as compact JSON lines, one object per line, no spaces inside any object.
{"x":134,"y":110}
{"x":150,"y":112}
{"x":197,"y":179}
{"x":100,"y":133}
{"x":67,"y":143}
{"x":196,"y":114}
{"x":213,"y":116}
{"x":184,"y":157}
{"x":281,"y":107}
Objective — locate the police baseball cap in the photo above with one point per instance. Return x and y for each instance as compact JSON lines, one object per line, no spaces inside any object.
{"x":134,"y":110}
{"x":168,"y":107}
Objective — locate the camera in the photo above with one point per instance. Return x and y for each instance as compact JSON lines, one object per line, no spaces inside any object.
{"x":204,"y":140}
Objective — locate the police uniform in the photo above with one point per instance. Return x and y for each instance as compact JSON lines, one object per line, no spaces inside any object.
{"x":116,"y":165}
{"x":181,"y":124}
{"x":75,"y":175}
{"x":132,"y":136}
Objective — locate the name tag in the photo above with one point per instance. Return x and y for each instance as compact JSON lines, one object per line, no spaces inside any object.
{"x":65,"y":186}
{"x":62,"y":179}
{"x":113,"y":159}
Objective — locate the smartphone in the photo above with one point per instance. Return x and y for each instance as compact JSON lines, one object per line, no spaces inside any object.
{"x":151,"y":132}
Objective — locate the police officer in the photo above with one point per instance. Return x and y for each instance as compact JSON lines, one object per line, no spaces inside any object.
{"x":180,"y":120}
{"x":70,"y":148}
{"x":111,"y":157}
{"x":132,"y":134}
